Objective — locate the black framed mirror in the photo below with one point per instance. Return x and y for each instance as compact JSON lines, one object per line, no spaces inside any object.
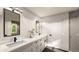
{"x":11,"y":23}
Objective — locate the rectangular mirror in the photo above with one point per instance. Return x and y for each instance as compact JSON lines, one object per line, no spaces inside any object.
{"x":11,"y":23}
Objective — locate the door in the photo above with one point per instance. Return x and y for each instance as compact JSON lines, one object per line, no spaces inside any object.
{"x":74,"y":31}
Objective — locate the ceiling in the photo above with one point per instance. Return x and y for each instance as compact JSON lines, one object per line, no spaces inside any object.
{"x":47,"y":11}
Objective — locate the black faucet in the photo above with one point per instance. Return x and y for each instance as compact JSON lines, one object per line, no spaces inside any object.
{"x":15,"y":39}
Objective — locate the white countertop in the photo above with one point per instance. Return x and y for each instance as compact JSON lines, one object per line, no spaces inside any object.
{"x":5,"y":48}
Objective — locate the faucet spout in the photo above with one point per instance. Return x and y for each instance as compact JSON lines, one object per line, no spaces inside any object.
{"x":15,"y":39}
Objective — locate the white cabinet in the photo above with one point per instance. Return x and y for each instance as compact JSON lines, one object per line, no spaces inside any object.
{"x":35,"y":46}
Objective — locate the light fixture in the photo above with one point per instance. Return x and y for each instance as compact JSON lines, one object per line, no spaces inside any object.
{"x":14,"y":9}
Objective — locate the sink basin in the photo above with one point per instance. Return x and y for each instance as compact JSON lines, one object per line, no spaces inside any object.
{"x":16,"y":43}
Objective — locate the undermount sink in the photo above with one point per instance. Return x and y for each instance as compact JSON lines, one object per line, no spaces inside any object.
{"x":16,"y":43}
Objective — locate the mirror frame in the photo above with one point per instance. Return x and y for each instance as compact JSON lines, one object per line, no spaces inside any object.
{"x":4,"y":24}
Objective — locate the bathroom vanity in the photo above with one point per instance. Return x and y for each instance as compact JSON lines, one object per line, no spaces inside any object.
{"x":11,"y":28}
{"x":36,"y":44}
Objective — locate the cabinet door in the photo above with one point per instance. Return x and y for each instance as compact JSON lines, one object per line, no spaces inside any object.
{"x":32,"y":47}
{"x":39,"y":46}
{"x":28,"y":48}
{"x":42,"y":45}
{"x":36,"y":47}
{"x":25,"y":48}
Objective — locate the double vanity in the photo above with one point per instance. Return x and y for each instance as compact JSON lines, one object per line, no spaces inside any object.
{"x":11,"y":29}
{"x":35,"y":44}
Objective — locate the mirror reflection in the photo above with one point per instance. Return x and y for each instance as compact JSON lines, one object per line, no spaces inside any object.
{"x":11,"y":23}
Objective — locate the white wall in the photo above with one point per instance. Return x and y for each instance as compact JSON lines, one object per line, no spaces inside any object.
{"x":58,"y":26}
{"x":25,"y":25}
{"x":1,"y":23}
